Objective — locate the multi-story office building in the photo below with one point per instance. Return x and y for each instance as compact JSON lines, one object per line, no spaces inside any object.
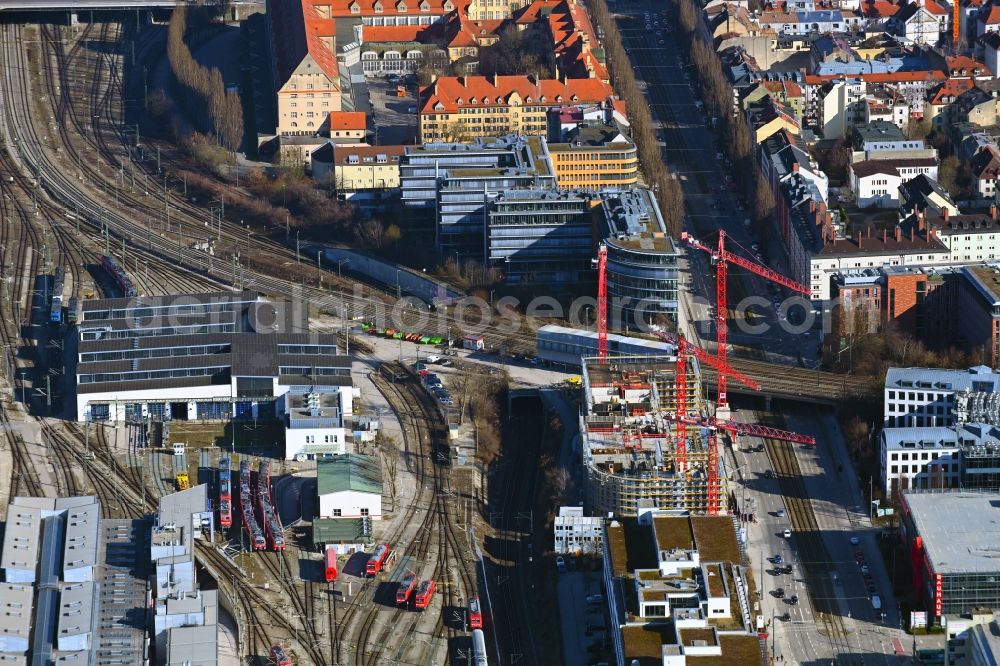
{"x":979,"y":302}
{"x":542,"y":237}
{"x":594,"y":156}
{"x":465,"y":107}
{"x":642,"y":262}
{"x":929,"y":397}
{"x":953,"y":536}
{"x":577,"y":533}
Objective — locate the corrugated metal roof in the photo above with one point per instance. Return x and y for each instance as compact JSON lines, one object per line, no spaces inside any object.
{"x":169,"y":299}
{"x":337,"y":530}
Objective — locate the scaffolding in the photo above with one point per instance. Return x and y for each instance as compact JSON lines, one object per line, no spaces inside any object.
{"x":630,"y":448}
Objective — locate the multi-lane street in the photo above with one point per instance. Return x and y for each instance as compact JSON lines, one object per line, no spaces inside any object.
{"x":824,"y":486}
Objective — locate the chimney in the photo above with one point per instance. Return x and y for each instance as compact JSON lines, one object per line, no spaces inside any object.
{"x":946,"y":212}
{"x":993,"y":212}
{"x":829,"y":217}
{"x":795,"y":167}
{"x":822,"y":208}
{"x":861,"y":241}
{"x":912,"y":234}
{"x":899,"y":233}
{"x":885,"y":236}
{"x":812,"y":206}
{"x":869,"y":232}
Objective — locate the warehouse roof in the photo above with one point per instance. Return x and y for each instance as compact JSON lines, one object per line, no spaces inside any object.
{"x":76,"y":609}
{"x":193,"y":645}
{"x":338,"y":530}
{"x":15,"y":611}
{"x":979,"y":378}
{"x":349,"y":472}
{"x":82,"y":525}
{"x":169,"y":300}
{"x":960,"y":530}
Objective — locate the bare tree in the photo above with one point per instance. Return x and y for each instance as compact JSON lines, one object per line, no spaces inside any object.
{"x":388,"y":450}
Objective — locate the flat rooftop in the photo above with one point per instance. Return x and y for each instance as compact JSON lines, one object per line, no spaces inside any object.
{"x":715,"y":539}
{"x":986,"y":280}
{"x":960,"y":530}
{"x":673,"y":533}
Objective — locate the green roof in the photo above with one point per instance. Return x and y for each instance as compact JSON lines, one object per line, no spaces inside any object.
{"x":349,"y":472}
{"x":338,"y":530}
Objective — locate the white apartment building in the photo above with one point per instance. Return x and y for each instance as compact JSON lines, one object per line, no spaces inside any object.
{"x":576,"y":533}
{"x":925,"y":457}
{"x":929,"y":397}
{"x":970,"y":238}
{"x":842,"y":105}
{"x":318,"y":421}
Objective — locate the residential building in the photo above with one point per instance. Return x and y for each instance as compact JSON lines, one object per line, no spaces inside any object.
{"x":593,"y":156}
{"x":385,"y":12}
{"x":973,"y":639}
{"x":975,"y":106}
{"x":768,"y":116}
{"x":212,"y":356}
{"x":576,"y":533}
{"x":979,"y":303}
{"x":349,"y":486}
{"x":887,"y":106}
{"x":355,"y":169}
{"x":969,"y":238}
{"x":985,"y":168}
{"x":883,"y":140}
{"x":643,"y":262}
{"x":400,"y":49}
{"x":990,"y":43}
{"x":928,"y":397}
{"x":306,"y":73}
{"x":566,"y":25}
{"x":784,"y":163}
{"x":952,"y":535}
{"x":866,"y":300}
{"x":920,"y":22}
{"x":347,"y":127}
{"x":841,"y":105}
{"x":677,"y":591}
{"x":989,"y":20}
{"x":457,"y":108}
{"x":877,"y":182}
{"x":924,"y":196}
{"x":940,"y":100}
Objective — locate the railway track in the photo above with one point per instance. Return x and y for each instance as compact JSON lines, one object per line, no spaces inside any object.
{"x":437,"y":540}
{"x":815,"y":560}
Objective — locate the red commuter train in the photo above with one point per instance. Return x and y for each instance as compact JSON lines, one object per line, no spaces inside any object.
{"x":475,"y":614}
{"x":330,"y":562}
{"x":377,"y":559}
{"x":225,"y":492}
{"x":424,"y":595}
{"x":406,"y":587}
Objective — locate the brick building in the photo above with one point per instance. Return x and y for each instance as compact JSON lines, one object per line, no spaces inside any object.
{"x":979,"y":305}
{"x":869,"y":299}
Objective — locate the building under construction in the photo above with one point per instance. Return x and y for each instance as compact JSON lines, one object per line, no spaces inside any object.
{"x":629,"y":438}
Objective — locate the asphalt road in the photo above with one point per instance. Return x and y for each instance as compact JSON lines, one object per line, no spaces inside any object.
{"x":690,"y":149}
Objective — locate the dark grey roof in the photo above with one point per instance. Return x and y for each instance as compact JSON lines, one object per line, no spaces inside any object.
{"x":169,"y":299}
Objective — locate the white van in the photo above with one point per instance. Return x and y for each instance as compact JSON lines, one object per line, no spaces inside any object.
{"x":876,"y":602}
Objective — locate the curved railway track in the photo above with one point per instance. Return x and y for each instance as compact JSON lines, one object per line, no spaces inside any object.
{"x":814,"y":557}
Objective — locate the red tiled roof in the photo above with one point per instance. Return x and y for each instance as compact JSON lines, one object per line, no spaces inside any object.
{"x":454,"y":92}
{"x":934,"y":8}
{"x":890,"y":167}
{"x":950,"y":88}
{"x":789,"y":88}
{"x":348,"y":120}
{"x":342,"y":8}
{"x":392,"y":33}
{"x":298,"y":32}
{"x":880,"y":8}
{"x":955,"y":63}
{"x":993,"y":17}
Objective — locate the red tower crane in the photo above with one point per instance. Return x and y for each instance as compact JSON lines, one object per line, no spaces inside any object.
{"x":602,"y":304}
{"x":721,"y":257}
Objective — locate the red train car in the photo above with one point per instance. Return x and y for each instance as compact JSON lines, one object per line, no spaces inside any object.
{"x":279,"y":657}
{"x":406,"y":587}
{"x":377,"y":559}
{"x":424,"y":595}
{"x":225,"y":492}
{"x":475,"y":614}
{"x":330,"y":560}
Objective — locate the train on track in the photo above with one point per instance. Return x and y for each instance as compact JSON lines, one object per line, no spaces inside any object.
{"x":71,"y":312}
{"x":56,"y":298}
{"x":377,"y":559}
{"x":256,"y":534}
{"x":117,"y":273}
{"x":475,"y":614}
{"x":422,"y":599}
{"x":330,"y":563}
{"x":268,"y":516}
{"x":225,"y":492}
{"x":396,"y":334}
{"x":479,"y":648}
{"x":406,"y":587}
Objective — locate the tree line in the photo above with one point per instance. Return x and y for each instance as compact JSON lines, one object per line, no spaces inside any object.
{"x":643,"y":127}
{"x":203,"y":88}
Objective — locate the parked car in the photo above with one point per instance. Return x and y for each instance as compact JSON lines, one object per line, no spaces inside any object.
{"x":794,"y":599}
{"x":788,"y":534}
{"x":779,"y":593}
